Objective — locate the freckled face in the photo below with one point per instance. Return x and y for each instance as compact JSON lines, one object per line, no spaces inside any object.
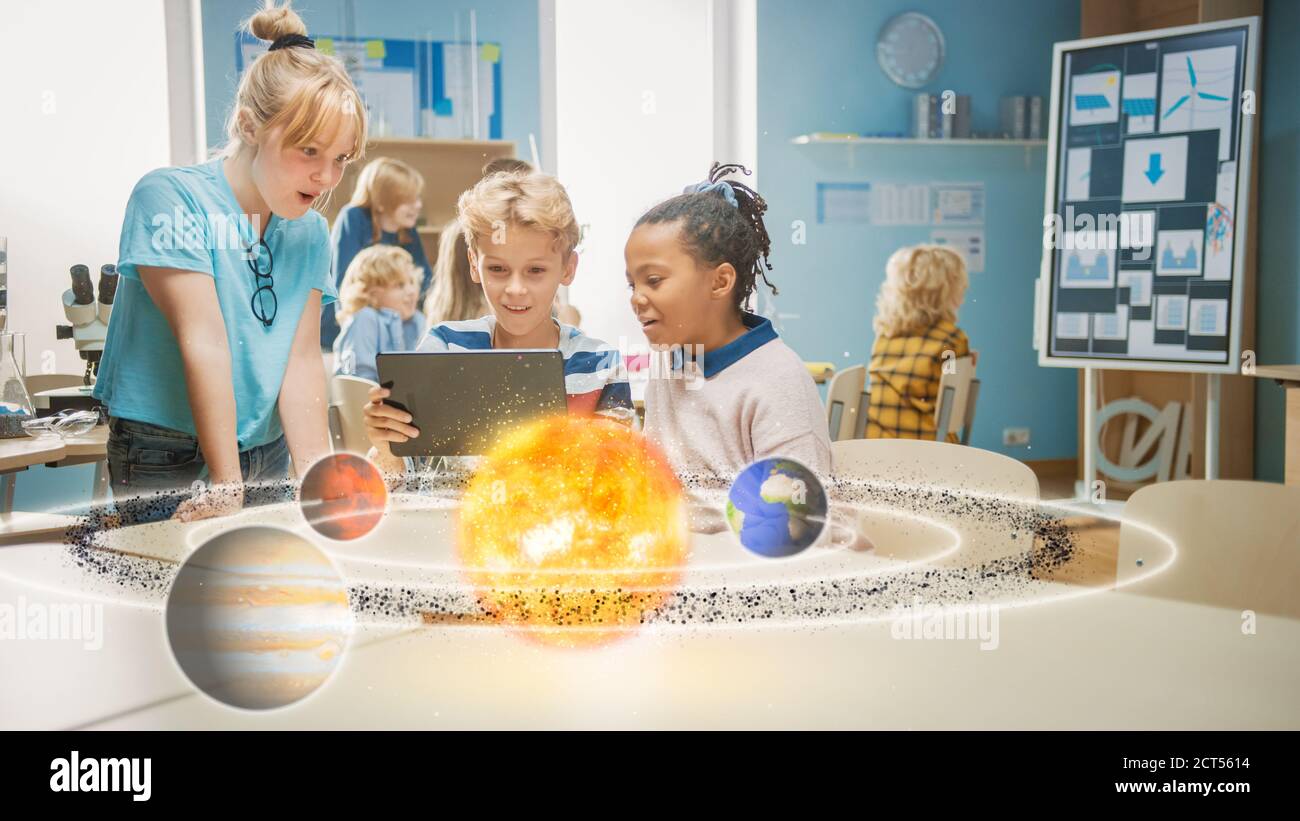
{"x":291,"y":178}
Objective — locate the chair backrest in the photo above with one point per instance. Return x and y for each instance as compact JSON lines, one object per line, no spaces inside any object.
{"x":971,"y":399}
{"x":348,"y":395}
{"x":37,"y":382}
{"x":954,"y":393}
{"x":1236,"y":544}
{"x":844,"y":402}
{"x":937,"y":464}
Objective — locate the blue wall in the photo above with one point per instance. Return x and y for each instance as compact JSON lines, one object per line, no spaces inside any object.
{"x":512,"y":23}
{"x":817,"y":71}
{"x":1278,"y":312}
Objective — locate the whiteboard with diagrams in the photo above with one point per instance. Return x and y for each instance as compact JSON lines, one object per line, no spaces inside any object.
{"x":1148,"y":182}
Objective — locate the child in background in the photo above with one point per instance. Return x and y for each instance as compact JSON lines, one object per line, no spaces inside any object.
{"x":508,"y":165}
{"x":519,"y":269}
{"x":916,"y":312}
{"x":377,"y":310}
{"x":692,"y":262}
{"x":384,"y":209}
{"x":455,"y":295}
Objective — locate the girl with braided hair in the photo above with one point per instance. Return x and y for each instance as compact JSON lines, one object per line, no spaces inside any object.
{"x":693,"y":261}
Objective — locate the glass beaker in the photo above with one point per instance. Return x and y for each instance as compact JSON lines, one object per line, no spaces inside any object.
{"x":15,"y":402}
{"x":4,"y":283}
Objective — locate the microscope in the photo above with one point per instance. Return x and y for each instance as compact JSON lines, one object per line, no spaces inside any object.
{"x":88,"y":316}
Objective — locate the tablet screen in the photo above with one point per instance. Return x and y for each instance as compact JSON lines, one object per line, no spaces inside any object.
{"x":462,"y":401}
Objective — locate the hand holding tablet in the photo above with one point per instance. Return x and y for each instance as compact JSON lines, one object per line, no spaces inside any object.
{"x":456,"y":403}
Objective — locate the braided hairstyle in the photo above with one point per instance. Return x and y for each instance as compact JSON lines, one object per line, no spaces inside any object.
{"x":715,"y":231}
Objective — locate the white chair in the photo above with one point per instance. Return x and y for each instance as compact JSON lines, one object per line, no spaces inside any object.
{"x":348,"y":395}
{"x":955,"y":411}
{"x":1236,"y":545}
{"x":846,"y":403}
{"x":37,"y":382}
{"x":935,"y":464}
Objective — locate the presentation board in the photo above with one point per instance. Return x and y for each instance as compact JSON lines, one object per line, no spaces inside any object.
{"x":414,"y":88}
{"x":1149,"y":157}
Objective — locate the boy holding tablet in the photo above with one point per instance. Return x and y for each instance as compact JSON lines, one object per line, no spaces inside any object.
{"x":521,"y":234}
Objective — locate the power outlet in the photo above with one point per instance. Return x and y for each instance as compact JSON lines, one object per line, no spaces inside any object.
{"x":1015,"y":437}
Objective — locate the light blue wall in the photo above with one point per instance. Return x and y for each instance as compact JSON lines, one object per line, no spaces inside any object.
{"x":1278,"y":326}
{"x":512,"y":23}
{"x":817,"y":71}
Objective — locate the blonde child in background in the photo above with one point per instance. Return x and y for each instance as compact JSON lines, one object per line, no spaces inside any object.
{"x":915,"y":323}
{"x":519,"y":270}
{"x":377,"y":310}
{"x":455,"y":295}
{"x":692,"y":263}
{"x":384,"y":210}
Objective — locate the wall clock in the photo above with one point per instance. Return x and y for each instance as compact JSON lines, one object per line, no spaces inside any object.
{"x":910,"y":49}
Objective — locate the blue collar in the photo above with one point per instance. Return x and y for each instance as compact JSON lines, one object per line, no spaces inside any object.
{"x":760,"y":333}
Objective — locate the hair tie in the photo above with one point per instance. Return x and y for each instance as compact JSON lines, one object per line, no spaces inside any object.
{"x":292,"y":41}
{"x":705,"y":187}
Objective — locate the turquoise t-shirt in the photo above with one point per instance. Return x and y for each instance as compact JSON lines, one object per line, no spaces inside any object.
{"x":188,"y":219}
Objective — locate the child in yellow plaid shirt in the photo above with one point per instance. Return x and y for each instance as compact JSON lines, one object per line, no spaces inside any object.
{"x":915,"y":323}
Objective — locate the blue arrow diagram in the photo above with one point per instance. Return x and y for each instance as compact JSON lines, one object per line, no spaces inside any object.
{"x":1154,"y":171}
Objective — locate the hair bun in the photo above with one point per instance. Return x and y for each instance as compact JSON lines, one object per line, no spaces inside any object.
{"x":274,"y":22}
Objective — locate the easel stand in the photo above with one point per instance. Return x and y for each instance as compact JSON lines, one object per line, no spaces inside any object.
{"x":1093,"y":435}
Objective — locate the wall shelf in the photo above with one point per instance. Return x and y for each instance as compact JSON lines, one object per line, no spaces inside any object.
{"x":1027,"y":146}
{"x":813,"y":139}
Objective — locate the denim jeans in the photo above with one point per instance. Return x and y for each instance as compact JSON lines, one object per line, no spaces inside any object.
{"x":147,"y":461}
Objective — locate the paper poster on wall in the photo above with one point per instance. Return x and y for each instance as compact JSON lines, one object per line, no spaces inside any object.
{"x":463,"y":66}
{"x":1111,"y":326}
{"x":1155,"y":170}
{"x":1207,"y":317}
{"x":1171,"y":313}
{"x":389,"y":97}
{"x":1197,"y":92}
{"x":414,"y":88}
{"x":1078,"y":173}
{"x":843,"y":202}
{"x":873,"y":203}
{"x":1139,"y":287}
{"x":1137,"y":229}
{"x":1178,"y":253}
{"x":1072,"y":326}
{"x":1088,"y":259}
{"x":967,"y":242}
{"x":900,"y":204}
{"x":1094,"y":98}
{"x":1140,"y":103}
{"x":957,"y":203}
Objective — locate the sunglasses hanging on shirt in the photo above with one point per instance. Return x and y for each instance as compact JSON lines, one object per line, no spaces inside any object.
{"x":264,"y":302}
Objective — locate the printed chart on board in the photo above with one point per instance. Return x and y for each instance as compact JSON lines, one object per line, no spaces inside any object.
{"x":1145,"y":185}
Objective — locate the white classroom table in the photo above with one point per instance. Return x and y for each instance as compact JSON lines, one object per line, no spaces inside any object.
{"x":1078,"y":657}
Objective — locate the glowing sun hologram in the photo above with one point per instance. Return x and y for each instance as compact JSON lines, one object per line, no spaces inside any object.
{"x":573,"y":528}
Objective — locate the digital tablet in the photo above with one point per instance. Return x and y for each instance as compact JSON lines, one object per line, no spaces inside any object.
{"x":463,"y":400}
